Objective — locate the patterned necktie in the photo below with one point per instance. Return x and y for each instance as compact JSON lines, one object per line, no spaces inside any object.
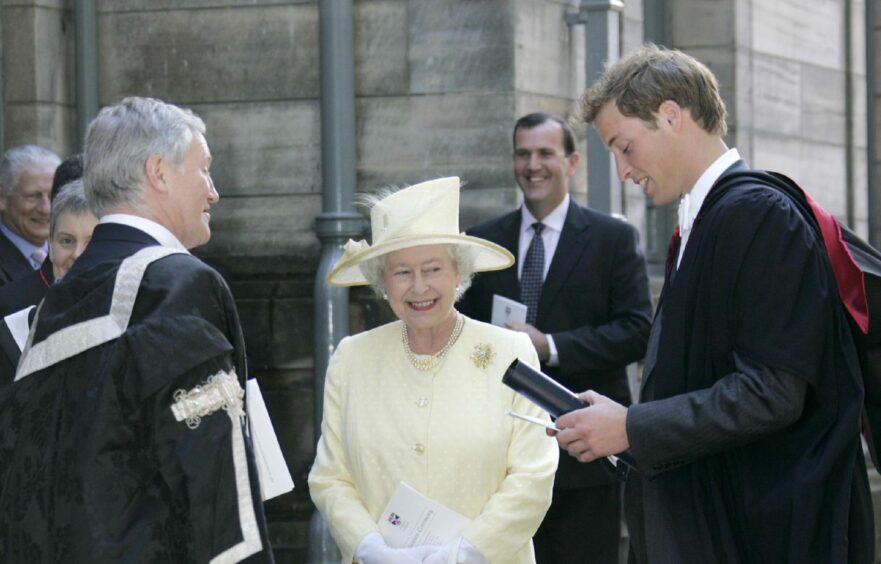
{"x":532,"y":277}
{"x":37,"y":257}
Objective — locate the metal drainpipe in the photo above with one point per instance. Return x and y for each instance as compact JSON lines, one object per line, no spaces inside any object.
{"x":2,"y":88}
{"x":602,"y":43}
{"x":86,"y":37}
{"x":338,"y":221}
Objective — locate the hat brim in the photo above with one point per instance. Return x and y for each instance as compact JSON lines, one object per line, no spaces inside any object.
{"x":489,"y":256}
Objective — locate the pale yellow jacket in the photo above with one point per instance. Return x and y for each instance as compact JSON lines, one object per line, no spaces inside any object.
{"x":445,"y":434}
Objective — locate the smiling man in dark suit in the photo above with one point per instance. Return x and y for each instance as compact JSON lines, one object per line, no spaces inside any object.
{"x":589,"y":317}
{"x":25,"y":184}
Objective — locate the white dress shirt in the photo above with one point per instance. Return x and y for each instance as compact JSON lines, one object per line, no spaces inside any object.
{"x":691,"y":202}
{"x":550,"y":236}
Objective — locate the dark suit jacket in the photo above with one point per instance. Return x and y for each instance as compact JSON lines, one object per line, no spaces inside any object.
{"x":26,"y":291}
{"x":13,"y":264}
{"x":595,"y":303}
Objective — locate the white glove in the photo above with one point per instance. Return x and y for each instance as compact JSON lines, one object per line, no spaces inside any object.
{"x":441,"y":555}
{"x":457,"y":551}
{"x":373,"y":550}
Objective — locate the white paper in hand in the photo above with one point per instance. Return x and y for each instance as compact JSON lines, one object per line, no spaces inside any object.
{"x":412,"y":519}
{"x":275,"y":478}
{"x":506,"y":310}
{"x":546,"y":423}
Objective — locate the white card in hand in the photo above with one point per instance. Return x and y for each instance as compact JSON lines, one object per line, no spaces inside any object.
{"x":506,"y":310}
{"x":413,"y":519}
{"x":543,"y":422}
{"x":552,"y":426}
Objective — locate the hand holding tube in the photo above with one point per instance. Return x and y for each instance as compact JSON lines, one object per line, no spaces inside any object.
{"x":594,"y":432}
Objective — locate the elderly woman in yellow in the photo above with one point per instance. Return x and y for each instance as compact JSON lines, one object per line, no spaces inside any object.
{"x":421,"y":400}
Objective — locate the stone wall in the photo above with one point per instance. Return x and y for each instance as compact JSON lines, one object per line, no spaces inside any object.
{"x":37,"y":74}
{"x":793,"y":77}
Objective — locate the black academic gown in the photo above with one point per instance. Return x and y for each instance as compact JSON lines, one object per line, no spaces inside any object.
{"x":94,"y":466}
{"x":754,"y":293}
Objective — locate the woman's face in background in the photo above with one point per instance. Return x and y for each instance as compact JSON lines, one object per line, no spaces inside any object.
{"x":73,"y":231}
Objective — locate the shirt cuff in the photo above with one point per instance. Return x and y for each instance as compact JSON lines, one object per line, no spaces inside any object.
{"x":553,"y":358}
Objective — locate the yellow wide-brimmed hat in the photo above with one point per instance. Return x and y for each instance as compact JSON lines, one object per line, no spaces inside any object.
{"x":422,"y":214}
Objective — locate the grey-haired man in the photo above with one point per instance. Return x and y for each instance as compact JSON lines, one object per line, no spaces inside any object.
{"x":125,"y":437}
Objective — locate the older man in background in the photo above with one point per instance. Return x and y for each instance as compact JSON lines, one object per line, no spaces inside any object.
{"x":30,"y":289}
{"x":25,"y":185}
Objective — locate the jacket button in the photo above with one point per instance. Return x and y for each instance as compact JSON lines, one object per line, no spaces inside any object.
{"x":418,"y":448}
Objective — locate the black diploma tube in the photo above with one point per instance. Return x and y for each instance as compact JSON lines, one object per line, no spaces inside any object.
{"x":553,"y":397}
{"x":540,"y":389}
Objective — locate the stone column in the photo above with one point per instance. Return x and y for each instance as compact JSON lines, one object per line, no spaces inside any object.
{"x":784,"y":70}
{"x":37,"y":47}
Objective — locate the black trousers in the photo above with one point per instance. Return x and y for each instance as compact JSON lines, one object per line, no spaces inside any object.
{"x":582,"y":525}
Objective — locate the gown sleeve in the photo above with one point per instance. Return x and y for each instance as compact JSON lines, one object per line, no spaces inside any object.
{"x":202,"y":449}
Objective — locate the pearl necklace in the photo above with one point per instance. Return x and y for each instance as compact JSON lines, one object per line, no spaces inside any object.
{"x":429,"y":362}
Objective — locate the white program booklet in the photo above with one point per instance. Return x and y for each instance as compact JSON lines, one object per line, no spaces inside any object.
{"x":275,"y":478}
{"x":506,"y":310}
{"x":412,"y":519}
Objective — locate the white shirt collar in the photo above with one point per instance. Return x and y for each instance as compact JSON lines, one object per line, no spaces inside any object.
{"x":555,"y":220}
{"x":159,"y":232}
{"x":691,"y":203}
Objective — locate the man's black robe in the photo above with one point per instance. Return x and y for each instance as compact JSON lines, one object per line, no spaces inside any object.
{"x":94,"y":465}
{"x":754,"y":293}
